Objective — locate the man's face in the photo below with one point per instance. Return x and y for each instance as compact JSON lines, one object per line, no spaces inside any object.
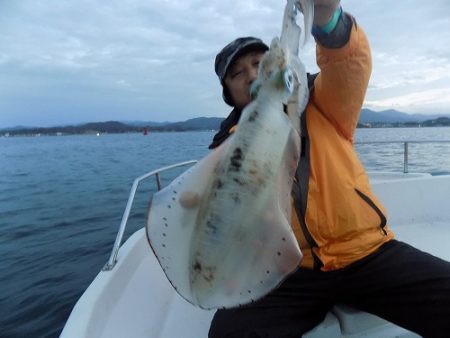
{"x":240,"y":76}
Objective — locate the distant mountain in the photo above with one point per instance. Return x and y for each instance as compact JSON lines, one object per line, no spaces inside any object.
{"x":199,"y":123}
{"x":392,"y":116}
{"x":87,"y":128}
{"x":113,"y":127}
{"x":107,"y":127}
{"x":16,"y":128}
{"x":439,"y":122}
{"x":368,"y":118}
{"x":145,"y":123}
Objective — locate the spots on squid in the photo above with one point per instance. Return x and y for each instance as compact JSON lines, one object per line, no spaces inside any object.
{"x":253,"y":172}
{"x":207,"y":273}
{"x":219,"y":183}
{"x":253,"y":116}
{"x":197,"y":267}
{"x":235,"y":196}
{"x":238,"y":181}
{"x":236,"y":160}
{"x":211,"y":228}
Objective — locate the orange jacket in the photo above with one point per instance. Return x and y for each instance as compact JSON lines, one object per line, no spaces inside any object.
{"x":343,"y":221}
{"x":337,"y":218}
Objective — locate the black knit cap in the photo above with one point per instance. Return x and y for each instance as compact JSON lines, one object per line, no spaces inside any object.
{"x":230,"y":53}
{"x":235,"y":49}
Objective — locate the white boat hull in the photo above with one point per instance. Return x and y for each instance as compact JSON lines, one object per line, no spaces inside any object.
{"x":135,"y":299}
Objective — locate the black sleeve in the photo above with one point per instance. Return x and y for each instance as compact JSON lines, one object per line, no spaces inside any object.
{"x":339,"y":36}
{"x":225,"y":127}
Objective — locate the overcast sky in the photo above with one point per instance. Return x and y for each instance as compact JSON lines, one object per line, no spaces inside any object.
{"x":64,"y":62}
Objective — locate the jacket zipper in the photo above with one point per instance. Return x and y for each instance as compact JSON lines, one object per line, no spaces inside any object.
{"x":301,"y":218}
{"x":375,"y":208}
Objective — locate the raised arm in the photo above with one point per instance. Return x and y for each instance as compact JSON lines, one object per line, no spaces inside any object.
{"x":343,"y":56}
{"x":323,"y":10}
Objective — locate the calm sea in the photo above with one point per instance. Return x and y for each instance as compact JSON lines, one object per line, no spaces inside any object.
{"x":62,"y":199}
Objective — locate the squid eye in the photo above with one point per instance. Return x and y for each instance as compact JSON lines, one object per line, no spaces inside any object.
{"x":289,"y":80}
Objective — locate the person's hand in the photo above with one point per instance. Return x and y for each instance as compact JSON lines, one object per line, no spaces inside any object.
{"x":323,"y":10}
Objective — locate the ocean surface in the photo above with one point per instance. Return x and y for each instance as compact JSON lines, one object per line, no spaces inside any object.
{"x":62,"y":199}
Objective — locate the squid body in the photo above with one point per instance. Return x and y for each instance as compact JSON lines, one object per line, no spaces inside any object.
{"x":221,"y":231}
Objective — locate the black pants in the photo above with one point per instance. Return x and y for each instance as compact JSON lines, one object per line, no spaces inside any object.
{"x":398,"y":283}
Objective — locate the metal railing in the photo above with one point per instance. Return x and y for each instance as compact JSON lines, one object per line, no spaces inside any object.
{"x":113,"y":257}
{"x":405,"y":148}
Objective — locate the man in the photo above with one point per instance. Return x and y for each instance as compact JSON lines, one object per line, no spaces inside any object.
{"x":350,"y":254}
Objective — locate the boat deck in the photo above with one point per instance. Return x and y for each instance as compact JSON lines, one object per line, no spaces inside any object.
{"x":136,"y":300}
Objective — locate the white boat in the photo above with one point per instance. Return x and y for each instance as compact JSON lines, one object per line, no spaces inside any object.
{"x":131,"y":296}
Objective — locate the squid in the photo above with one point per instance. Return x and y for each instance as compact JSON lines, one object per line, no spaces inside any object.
{"x":221,"y":230}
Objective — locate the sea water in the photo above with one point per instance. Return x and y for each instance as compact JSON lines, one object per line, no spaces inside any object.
{"x":62,"y":199}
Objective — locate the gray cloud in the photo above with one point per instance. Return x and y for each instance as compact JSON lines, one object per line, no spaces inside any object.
{"x":68,"y":62}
